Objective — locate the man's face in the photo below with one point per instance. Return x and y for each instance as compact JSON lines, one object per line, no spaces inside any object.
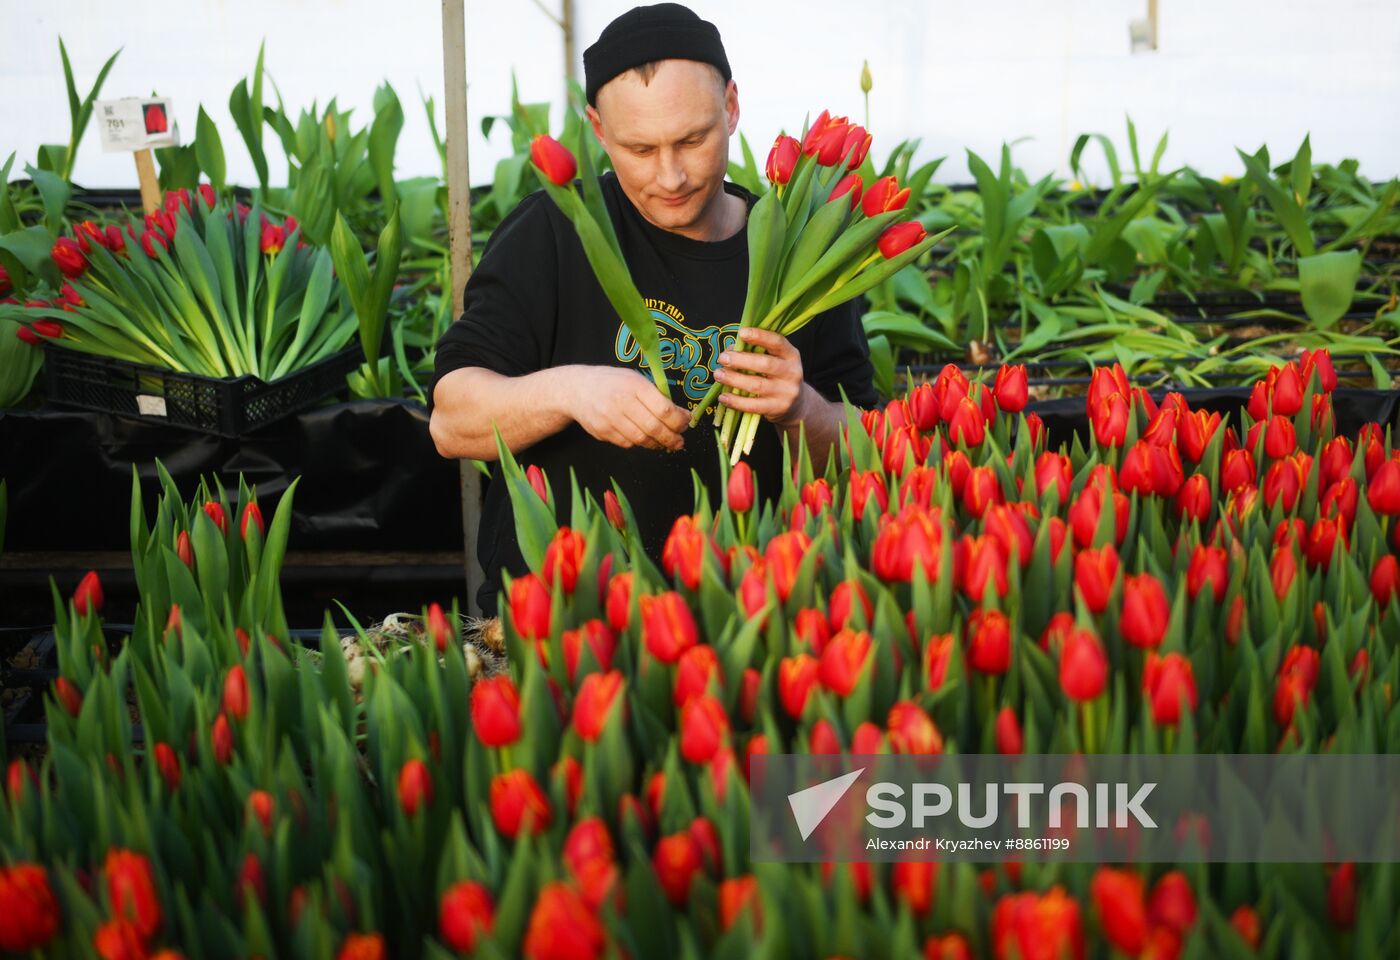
{"x":669,"y":141}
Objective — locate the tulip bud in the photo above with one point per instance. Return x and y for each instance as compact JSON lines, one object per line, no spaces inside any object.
{"x":415,"y":787}
{"x":252,"y":514}
{"x":563,"y":920}
{"x":1166,"y":680}
{"x":1385,"y":580}
{"x":844,"y":660}
{"x":236,"y":693}
{"x":563,"y":558}
{"x":883,"y":196}
{"x":88,"y":595}
{"x":900,"y":237}
{"x":740,"y":488}
{"x":668,"y":627}
{"x":68,"y":696}
{"x":131,"y":890}
{"x":676,"y":862}
{"x":1010,"y":388}
{"x":1172,"y":903}
{"x":1095,"y":572}
{"x":782,"y":160}
{"x":851,"y":184}
{"x":530,"y":607}
{"x":1083,"y":666}
{"x":495,"y":711}
{"x":1008,"y":732}
{"x":1383,"y":488}
{"x":989,"y":641}
{"x":1118,"y":898}
{"x":911,"y":730}
{"x":704,"y":728}
{"x":68,"y":257}
{"x":594,"y":703}
{"x":553,"y":160}
{"x":1146,"y":611}
{"x":222,"y":737}
{"x":796,"y":678}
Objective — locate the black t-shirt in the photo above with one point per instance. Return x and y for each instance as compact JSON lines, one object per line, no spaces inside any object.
{"x":533,"y":302}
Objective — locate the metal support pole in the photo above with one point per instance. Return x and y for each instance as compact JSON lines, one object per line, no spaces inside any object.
{"x":454,"y":72}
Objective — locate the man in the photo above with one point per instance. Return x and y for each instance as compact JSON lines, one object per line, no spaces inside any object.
{"x":540,"y":355}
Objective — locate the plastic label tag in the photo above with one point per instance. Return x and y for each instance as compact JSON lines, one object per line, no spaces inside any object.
{"x":150,"y":406}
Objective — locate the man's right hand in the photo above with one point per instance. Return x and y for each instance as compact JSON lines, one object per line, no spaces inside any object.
{"x":622,"y":407}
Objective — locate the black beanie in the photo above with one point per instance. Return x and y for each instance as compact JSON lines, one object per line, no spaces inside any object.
{"x":662,"y":31}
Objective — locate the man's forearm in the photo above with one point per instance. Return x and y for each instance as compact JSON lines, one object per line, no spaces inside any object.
{"x":821,"y":420}
{"x":471,"y":403}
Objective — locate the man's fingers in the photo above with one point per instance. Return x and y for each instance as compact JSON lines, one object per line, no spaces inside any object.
{"x":764,"y":363}
{"x":774,"y":343}
{"x":758,"y":386}
{"x":657,"y":434}
{"x":677,"y":419}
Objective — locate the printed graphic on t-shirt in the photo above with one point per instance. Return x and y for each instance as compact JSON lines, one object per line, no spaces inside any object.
{"x":689,"y":355}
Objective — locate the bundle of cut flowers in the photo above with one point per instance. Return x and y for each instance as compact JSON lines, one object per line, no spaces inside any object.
{"x":946,"y":583}
{"x":204,"y":285}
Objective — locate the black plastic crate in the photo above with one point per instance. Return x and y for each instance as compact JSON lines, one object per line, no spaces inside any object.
{"x":228,"y":407}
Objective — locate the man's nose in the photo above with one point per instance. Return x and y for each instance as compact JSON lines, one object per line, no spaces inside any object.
{"x":670,"y":174}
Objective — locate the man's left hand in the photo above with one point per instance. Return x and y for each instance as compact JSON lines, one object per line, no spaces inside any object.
{"x":774,"y":378}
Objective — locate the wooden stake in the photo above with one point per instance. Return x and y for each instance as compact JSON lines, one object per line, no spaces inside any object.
{"x":146,"y":175}
{"x":459,"y":223}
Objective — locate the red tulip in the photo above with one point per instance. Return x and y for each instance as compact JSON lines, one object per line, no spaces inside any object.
{"x":562,"y":559}
{"x":1056,"y":632}
{"x":1322,"y":541}
{"x":236,"y":693}
{"x":851,"y":184}
{"x":168,"y":763}
{"x":118,"y":940}
{"x":980,"y":560}
{"x":1146,"y":611}
{"x":29,"y":912}
{"x":980,"y":490}
{"x":784,"y":556}
{"x":1193,"y":500}
{"x":989,"y":641}
{"x":415,"y":786}
{"x":740,"y":489}
{"x":1008,"y":527}
{"x":362,"y":946}
{"x":738,"y":895}
{"x":1053,"y":470}
{"x":911,"y":730}
{"x":844,"y":660}
{"x":28,"y":335}
{"x":683,"y":556}
{"x":1033,"y":925}
{"x":601,"y":643}
{"x":518,"y":803}
{"x":88,"y":595}
{"x":530,"y":607}
{"x":937,"y":655}
{"x":1208,"y":566}
{"x":495,"y":710}
{"x":862,"y":488}
{"x":843,"y":601}
{"x":252,"y":514}
{"x":1340,"y":501}
{"x":782,"y":160}
{"x":1118,"y":898}
{"x":588,"y":855}
{"x":668,"y":628}
{"x":68,"y":695}
{"x":822,"y":741}
{"x":676,"y":861}
{"x":1083,"y":666}
{"x":594,"y":703}
{"x":563,"y":927}
{"x":1084,"y":514}
{"x":1341,"y":896}
{"x":1095,"y":572}
{"x":1383,"y":488}
{"x":1010,"y":388}
{"x":1109,"y":420}
{"x":619,"y":601}
{"x":1237,"y":470}
{"x":68,"y":257}
{"x":796,"y":678}
{"x":1297,"y":676}
{"x":1286,"y":398}
{"x":1172,"y":904}
{"x":1165,"y":680}
{"x":704,"y":728}
{"x":1283,"y":568}
{"x":915,"y":536}
{"x":1385,"y":580}
{"x":131,"y":889}
{"x":222,"y":737}
{"x":1008,"y":732}
{"x":883,"y":196}
{"x":900,"y":237}
{"x":261,"y":807}
{"x":948,"y":946}
{"x":553,"y":160}
{"x":967,"y":427}
{"x":150,"y":239}
{"x":1334,"y":463}
{"x":914,"y":881}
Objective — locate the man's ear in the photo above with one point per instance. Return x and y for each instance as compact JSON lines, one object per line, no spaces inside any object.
{"x":731,"y":105}
{"x":595,"y":121}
